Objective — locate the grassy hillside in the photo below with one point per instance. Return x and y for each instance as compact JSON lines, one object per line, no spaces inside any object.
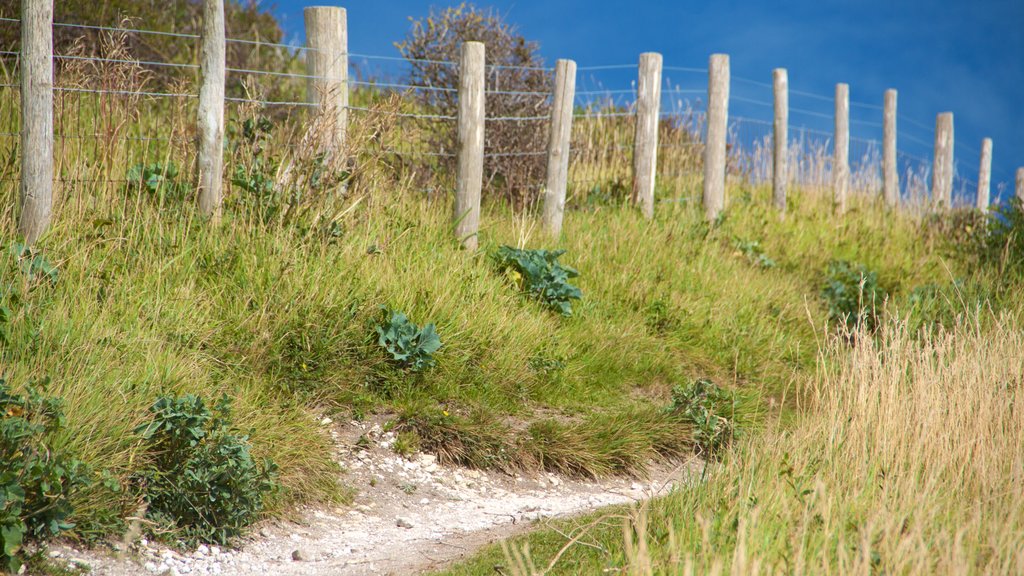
{"x":282,"y":318}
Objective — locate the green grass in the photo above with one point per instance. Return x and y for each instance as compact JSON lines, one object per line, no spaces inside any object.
{"x":152,"y":300}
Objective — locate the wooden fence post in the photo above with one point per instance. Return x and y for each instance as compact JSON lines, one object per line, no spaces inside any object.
{"x":890,"y":174}
{"x":211,"y":111}
{"x":717,"y":136}
{"x":985,"y":175}
{"x":36,"y":118}
{"x":327,"y":67}
{"x":1020,"y":184}
{"x":841,"y":148}
{"x":942,"y":169}
{"x":558,"y":146}
{"x":645,"y":141}
{"x":471,"y":145}
{"x":780,"y":168}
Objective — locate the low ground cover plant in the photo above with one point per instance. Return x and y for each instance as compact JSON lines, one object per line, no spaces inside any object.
{"x":37,"y":479}
{"x":710,"y":410}
{"x":540,"y":275}
{"x":159,"y":180}
{"x":754,"y":253}
{"x":202,"y":481}
{"x":408,"y":345}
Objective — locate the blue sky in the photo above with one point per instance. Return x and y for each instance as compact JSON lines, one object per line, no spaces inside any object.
{"x":962,"y":56}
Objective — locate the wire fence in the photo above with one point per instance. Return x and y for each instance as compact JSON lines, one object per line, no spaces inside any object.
{"x":115,"y":112}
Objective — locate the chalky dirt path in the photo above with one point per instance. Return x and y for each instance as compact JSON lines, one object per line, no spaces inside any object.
{"x":409,"y":516}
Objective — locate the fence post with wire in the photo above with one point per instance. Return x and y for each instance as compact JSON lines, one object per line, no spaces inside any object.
{"x":780,"y":138}
{"x":984,"y":175}
{"x":942,"y":171}
{"x":841,"y":148}
{"x":469,"y":179}
{"x":211,"y":111}
{"x":890,"y":174}
{"x":716,"y":140}
{"x":327,"y":68}
{"x":645,"y":143}
{"x":560,"y":134}
{"x":36,"y":118}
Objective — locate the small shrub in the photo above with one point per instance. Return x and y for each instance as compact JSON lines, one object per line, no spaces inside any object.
{"x":710,"y":410}
{"x":410,"y":346}
{"x":539,"y":275}
{"x":754,"y":253}
{"x":852,"y":294}
{"x":520,"y":89}
{"x":36,"y":479}
{"x":202,"y":479}
{"x":158,"y":180}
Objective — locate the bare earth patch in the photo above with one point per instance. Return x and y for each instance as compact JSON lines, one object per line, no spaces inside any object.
{"x":410,"y":515}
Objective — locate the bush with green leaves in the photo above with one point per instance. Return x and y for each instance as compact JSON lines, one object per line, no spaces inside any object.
{"x":201,"y":481}
{"x":159,"y":180}
{"x":754,"y":253}
{"x":37,"y":479}
{"x":710,"y":410}
{"x":853,"y":295}
{"x":539,"y":275}
{"x":524,"y":83}
{"x":409,"y":345}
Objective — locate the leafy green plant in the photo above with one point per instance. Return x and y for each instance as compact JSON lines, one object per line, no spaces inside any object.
{"x":33,"y":264}
{"x":710,"y":410}
{"x":660,"y":318}
{"x":539,"y":275}
{"x":754,"y":253}
{"x":159,"y":180}
{"x":409,"y":345}
{"x":37,"y":479}
{"x":202,"y":478}
{"x":852,"y":294}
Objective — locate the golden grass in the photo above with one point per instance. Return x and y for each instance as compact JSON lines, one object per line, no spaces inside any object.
{"x":910,"y":461}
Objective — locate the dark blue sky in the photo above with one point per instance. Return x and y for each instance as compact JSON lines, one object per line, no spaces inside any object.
{"x":958,"y":55}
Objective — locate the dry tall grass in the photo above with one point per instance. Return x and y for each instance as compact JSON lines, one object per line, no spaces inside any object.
{"x":910,"y":461}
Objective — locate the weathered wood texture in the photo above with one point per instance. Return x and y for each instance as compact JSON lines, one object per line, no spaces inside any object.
{"x":890,"y":173}
{"x":985,"y":175}
{"x":558,"y":146}
{"x":645,"y":142}
{"x":717,"y":136}
{"x":36,"y":118}
{"x":211,"y":111}
{"x":841,"y":148}
{"x":942,"y":169}
{"x":327,"y":67}
{"x":469,"y":180}
{"x":780,"y":137}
